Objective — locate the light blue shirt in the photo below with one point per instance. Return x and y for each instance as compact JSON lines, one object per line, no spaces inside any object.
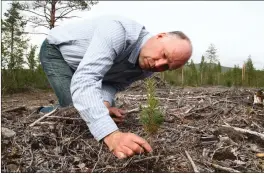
{"x":91,"y":47}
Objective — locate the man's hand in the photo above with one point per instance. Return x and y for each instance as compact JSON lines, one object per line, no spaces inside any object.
{"x":117,"y":114}
{"x":126,"y":144}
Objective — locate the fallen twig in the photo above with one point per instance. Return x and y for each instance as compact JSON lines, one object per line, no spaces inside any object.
{"x":186,"y":112}
{"x":192,"y":163}
{"x":65,"y":118}
{"x":227,"y":169}
{"x":46,"y":122}
{"x":41,"y":118}
{"x":140,"y":160}
{"x":133,"y":110}
{"x":98,"y":157}
{"x":15,"y":109}
{"x":260,"y":135}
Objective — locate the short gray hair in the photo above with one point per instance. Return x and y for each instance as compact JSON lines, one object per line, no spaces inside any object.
{"x":180,"y":34}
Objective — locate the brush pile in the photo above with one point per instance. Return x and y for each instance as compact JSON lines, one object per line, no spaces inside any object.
{"x":210,"y":129}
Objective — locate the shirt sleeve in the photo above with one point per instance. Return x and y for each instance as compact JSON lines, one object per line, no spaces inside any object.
{"x":108,"y":93}
{"x":86,"y":86}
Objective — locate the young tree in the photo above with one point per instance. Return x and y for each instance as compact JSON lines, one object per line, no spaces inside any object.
{"x":236,"y":75}
{"x":47,"y":13}
{"x":193,"y":75}
{"x":211,"y":58}
{"x":13,"y":42}
{"x":219,"y":71}
{"x":202,"y":68}
{"x":151,"y":117}
{"x":31,"y":58}
{"x":250,"y":71}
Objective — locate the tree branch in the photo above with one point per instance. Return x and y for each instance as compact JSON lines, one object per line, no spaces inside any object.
{"x":33,"y":33}
{"x":33,"y":12}
{"x":45,"y":13}
{"x":67,"y":11}
{"x":67,"y":17}
{"x":62,"y":7}
{"x":39,"y":24}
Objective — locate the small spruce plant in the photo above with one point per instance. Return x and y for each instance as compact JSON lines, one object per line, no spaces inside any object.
{"x":151,"y":117}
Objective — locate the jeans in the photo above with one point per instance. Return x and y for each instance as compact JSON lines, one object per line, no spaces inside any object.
{"x":58,"y":72}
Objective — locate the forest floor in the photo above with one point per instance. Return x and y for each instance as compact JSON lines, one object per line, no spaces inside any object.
{"x":206,"y":129}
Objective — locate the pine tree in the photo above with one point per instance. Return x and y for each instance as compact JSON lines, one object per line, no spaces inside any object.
{"x":236,"y":75}
{"x":14,"y":43}
{"x":47,"y":13}
{"x":211,"y":58}
{"x":31,"y":58}
{"x":13,"y":40}
{"x":219,"y":71}
{"x":250,"y":71}
{"x":202,"y":68}
{"x":193,"y":75}
{"x":151,"y":117}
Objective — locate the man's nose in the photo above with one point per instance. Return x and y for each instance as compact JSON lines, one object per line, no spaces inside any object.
{"x":161,"y":62}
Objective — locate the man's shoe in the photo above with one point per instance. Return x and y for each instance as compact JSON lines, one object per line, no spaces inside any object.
{"x":46,"y":109}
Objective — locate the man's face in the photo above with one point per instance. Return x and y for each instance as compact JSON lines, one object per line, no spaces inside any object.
{"x":164,"y":52}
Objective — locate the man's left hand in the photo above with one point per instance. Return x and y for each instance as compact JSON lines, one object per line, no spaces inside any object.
{"x":118,"y":115}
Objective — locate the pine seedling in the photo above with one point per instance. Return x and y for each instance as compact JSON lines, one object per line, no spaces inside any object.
{"x":151,"y":117}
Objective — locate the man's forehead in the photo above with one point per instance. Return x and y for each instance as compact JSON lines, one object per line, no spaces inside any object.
{"x":175,"y":55}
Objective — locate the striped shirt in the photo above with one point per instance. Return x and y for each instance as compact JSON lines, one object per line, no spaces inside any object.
{"x":91,"y":47}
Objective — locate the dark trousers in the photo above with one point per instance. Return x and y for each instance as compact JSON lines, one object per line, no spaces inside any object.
{"x":58,"y":72}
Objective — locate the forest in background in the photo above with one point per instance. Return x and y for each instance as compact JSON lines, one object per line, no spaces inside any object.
{"x":22,"y":71}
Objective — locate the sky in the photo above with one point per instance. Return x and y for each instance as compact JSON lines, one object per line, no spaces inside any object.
{"x":236,"y":28}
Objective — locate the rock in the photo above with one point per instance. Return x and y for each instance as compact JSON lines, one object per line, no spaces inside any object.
{"x":7,"y":132}
{"x":82,"y":165}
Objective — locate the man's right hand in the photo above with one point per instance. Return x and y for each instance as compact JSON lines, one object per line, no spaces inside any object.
{"x":125,"y":145}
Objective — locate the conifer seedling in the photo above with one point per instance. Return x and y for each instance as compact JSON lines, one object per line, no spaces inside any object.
{"x":151,"y":117}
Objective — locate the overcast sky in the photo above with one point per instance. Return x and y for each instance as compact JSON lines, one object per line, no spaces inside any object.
{"x":235,"y":28}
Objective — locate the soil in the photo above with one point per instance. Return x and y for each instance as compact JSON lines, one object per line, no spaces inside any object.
{"x":198,"y":121}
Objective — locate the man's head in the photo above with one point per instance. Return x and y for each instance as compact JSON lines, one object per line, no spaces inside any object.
{"x":165,"y":51}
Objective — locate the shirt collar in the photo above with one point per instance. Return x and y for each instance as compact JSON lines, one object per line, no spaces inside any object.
{"x":144,"y":36}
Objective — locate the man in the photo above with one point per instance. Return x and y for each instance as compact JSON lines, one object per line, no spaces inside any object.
{"x":89,"y":61}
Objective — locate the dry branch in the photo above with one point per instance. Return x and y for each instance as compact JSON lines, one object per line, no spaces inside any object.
{"x":260,"y":135}
{"x":192,"y":163}
{"x":227,"y":169}
{"x":64,"y":118}
{"x":15,"y":109}
{"x":147,"y":158}
{"x":98,"y":157}
{"x":41,"y":118}
{"x":133,"y":110}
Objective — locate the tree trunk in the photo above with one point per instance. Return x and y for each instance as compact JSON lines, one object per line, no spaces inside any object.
{"x":182,"y":76}
{"x":201,"y":78}
{"x":12,"y":61}
{"x":52,"y":14}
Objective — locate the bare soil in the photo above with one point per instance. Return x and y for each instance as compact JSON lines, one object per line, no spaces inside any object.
{"x":198,"y":121}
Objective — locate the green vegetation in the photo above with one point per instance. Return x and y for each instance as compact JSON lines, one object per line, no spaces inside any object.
{"x":14,"y":58}
{"x":150,"y":116}
{"x":20,"y":67}
{"x":210,"y":72}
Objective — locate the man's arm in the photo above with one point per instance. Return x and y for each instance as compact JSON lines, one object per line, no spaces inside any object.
{"x":86,"y":86}
{"x":108,"y":94}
